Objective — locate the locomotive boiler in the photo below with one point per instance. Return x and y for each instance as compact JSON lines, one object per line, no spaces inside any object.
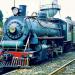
{"x":30,"y":39}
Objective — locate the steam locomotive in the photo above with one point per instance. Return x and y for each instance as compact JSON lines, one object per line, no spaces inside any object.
{"x":30,"y":39}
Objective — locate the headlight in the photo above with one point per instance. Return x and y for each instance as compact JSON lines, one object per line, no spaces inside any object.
{"x":30,"y":55}
{"x":15,"y":10}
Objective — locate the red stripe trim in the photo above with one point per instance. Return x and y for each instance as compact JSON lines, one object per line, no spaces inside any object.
{"x":20,"y":54}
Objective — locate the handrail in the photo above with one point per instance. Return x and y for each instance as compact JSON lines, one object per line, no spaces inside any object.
{"x":27,"y":43}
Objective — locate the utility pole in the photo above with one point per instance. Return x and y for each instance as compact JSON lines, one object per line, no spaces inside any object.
{"x":14,"y":3}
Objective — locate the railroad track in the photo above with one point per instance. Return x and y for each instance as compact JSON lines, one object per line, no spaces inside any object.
{"x":62,"y":70}
{"x":57,"y":67}
{"x":59,"y":71}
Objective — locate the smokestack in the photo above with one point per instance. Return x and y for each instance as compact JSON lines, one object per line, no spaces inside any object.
{"x":22,"y":10}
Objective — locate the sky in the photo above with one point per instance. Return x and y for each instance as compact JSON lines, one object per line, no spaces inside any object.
{"x":67,"y":7}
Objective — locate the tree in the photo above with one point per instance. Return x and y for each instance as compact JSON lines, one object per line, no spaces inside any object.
{"x":1,"y":19}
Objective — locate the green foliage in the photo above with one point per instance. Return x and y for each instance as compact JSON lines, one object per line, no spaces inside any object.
{"x":1,"y":16}
{"x":1,"y":24}
{"x":1,"y":19}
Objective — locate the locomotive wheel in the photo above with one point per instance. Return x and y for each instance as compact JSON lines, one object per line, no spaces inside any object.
{"x":67,"y":47}
{"x":58,"y":50}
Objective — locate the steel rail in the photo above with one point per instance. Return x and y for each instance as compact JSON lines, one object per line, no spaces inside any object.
{"x":61,"y":69}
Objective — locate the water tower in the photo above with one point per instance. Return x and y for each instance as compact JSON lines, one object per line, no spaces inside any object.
{"x":50,"y":9}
